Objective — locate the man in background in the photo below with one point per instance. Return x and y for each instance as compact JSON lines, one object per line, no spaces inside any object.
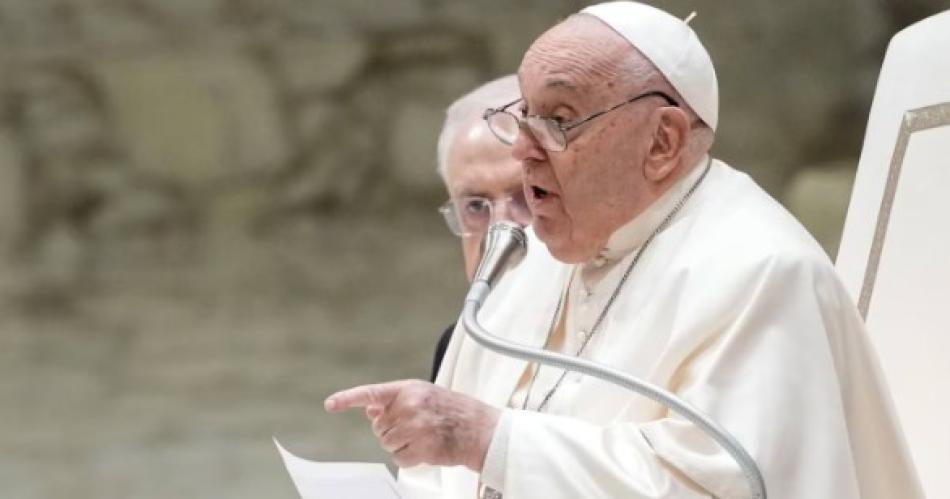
{"x":481,"y":177}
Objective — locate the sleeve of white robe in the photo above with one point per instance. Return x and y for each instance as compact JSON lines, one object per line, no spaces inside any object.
{"x":760,"y":364}
{"x":420,"y":482}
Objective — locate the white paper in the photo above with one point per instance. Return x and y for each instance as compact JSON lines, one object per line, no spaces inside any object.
{"x":315,"y":480}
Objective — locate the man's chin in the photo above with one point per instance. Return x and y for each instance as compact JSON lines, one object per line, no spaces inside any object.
{"x":561,"y":247}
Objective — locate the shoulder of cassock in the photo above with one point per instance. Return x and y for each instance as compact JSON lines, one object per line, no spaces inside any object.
{"x":730,"y":241}
{"x":732,"y":250}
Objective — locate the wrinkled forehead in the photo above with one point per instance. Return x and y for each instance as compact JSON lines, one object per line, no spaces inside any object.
{"x":474,"y":143}
{"x":473,"y":138}
{"x":580,"y":56}
{"x":479,"y":164}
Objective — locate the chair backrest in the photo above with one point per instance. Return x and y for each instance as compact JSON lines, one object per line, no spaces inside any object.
{"x":895,"y":249}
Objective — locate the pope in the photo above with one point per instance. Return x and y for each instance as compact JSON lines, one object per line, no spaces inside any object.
{"x":647,"y":255}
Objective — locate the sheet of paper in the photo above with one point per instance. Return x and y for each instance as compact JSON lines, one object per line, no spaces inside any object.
{"x":315,"y":480}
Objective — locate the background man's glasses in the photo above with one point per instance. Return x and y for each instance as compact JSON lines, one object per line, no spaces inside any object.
{"x":550,"y":133}
{"x":471,"y":215}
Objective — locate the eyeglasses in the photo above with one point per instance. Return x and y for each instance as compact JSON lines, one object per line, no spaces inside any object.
{"x":550,"y":133}
{"x":471,"y":215}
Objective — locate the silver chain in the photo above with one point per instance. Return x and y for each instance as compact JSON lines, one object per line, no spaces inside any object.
{"x":613,"y":296}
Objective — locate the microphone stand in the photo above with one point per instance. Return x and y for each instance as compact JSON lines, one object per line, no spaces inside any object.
{"x":504,"y":246}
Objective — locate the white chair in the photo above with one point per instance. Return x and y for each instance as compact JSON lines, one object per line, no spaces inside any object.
{"x":895,"y":249}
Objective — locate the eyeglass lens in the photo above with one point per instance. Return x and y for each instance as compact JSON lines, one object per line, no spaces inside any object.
{"x":475,"y":213}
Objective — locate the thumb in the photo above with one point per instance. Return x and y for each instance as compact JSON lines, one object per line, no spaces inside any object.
{"x":380,"y":394}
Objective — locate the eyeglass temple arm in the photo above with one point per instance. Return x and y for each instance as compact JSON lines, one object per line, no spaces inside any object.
{"x":656,"y":93}
{"x":492,"y":110}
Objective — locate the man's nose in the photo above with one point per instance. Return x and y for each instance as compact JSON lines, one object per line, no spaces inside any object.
{"x":511,"y":209}
{"x":502,"y":211}
{"x":526,"y":147}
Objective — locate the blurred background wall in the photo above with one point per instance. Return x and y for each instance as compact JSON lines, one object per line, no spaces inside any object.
{"x":213,"y":213}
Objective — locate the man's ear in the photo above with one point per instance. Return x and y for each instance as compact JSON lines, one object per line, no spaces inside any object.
{"x":669,"y":143}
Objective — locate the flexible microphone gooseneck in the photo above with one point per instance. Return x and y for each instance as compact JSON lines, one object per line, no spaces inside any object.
{"x":504,"y":246}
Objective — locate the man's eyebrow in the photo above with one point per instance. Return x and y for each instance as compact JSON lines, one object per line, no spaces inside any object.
{"x":561,"y":83}
{"x":464,"y":193}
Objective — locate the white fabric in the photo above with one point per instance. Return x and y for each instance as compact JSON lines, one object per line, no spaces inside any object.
{"x":733,"y":307}
{"x":590,"y":297}
{"x":496,"y":458}
{"x":672,"y":46}
{"x":907,"y":318}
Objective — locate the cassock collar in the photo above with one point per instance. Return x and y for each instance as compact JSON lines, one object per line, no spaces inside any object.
{"x":634,"y":233}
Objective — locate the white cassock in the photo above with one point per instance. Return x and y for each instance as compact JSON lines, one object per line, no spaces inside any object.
{"x":733,"y":307}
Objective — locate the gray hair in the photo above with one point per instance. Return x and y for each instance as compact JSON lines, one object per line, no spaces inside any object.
{"x":639,"y":72}
{"x":470,"y":107}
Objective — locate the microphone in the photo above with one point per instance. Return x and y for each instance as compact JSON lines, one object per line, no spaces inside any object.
{"x":505,"y":246}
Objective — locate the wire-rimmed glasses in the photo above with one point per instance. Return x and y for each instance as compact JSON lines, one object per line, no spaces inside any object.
{"x":472,"y":215}
{"x":550,"y":133}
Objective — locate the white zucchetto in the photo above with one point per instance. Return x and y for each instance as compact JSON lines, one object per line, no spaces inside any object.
{"x":672,"y":46}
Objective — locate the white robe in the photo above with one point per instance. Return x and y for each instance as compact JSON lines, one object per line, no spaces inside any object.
{"x":734,"y":308}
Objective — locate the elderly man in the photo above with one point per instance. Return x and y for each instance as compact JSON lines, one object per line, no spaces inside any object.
{"x":661,"y":262}
{"x":481,"y":177}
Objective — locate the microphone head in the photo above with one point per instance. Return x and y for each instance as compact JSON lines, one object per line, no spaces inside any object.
{"x":504,"y":246}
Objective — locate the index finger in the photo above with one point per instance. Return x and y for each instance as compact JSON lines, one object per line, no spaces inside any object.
{"x":380,"y":394}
